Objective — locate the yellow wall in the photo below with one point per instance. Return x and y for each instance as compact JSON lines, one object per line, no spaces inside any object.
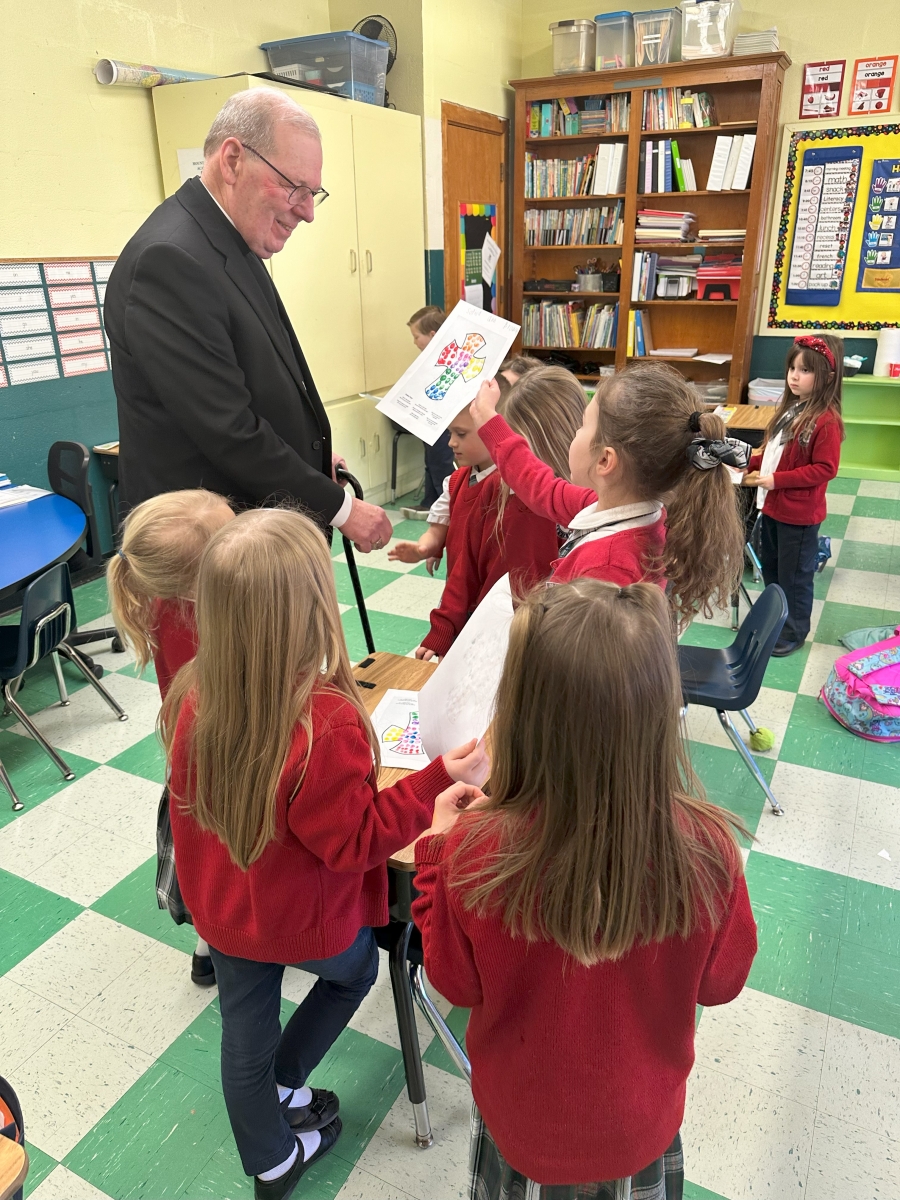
{"x":78,"y":162}
{"x":405,"y":82}
{"x":471,"y":49}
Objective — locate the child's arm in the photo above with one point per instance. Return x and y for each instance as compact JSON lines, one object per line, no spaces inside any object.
{"x":450,"y":615}
{"x":732,"y":951}
{"x":449,"y":955}
{"x":825,"y":458}
{"x":429,"y":548}
{"x":532,"y":480}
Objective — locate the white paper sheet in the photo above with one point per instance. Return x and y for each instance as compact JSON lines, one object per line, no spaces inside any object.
{"x":475,"y":295}
{"x":396,"y":723}
{"x":457,"y":702}
{"x":490,"y":253}
{"x":190,"y":163}
{"x":467,"y":349}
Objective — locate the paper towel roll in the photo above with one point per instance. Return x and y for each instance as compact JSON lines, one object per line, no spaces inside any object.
{"x":888,"y":350}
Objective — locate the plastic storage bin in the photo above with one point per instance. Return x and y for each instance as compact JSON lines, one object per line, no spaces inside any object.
{"x":344,"y":63}
{"x":657,"y":36}
{"x":574,"y":46}
{"x":615,"y":40}
{"x":708,"y":28}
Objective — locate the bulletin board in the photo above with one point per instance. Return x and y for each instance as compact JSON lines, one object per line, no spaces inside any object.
{"x":834,"y":252}
{"x":476,"y":220}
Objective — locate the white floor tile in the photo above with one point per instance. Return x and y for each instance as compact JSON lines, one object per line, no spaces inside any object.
{"x":870,"y":529}
{"x":861,"y":1078}
{"x":102,"y":652}
{"x":771,"y":710}
{"x":838,"y":502}
{"x":879,"y":807}
{"x":62,"y":1184}
{"x":766,"y":1042}
{"x":815,"y":616}
{"x":76,"y":964}
{"x":807,"y":835}
{"x":90,"y":728}
{"x":812,"y":793}
{"x":867,"y":588}
{"x":742,"y":1141}
{"x":408,"y":597}
{"x":153,"y":1002}
{"x":818,"y":666}
{"x":439,"y":1173}
{"x":892,"y":594}
{"x":28,"y":1020}
{"x":849,"y":1163}
{"x":379,"y":559}
{"x":91,"y":866}
{"x":880,"y":488}
{"x":72,"y":1081}
{"x":362,"y":1186}
{"x":867,"y":859}
{"x":34,"y":837}
{"x":113,"y":800}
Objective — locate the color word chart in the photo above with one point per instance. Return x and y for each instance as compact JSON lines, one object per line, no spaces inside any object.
{"x":828,"y":186}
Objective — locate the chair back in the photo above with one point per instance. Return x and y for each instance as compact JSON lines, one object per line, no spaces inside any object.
{"x":48,"y":615}
{"x":68,"y":465}
{"x":752,"y":648}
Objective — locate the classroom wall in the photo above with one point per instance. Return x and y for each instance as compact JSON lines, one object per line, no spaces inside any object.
{"x":471,"y":48}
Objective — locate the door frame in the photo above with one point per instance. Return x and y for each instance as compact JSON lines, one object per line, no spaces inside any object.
{"x":484,"y":122}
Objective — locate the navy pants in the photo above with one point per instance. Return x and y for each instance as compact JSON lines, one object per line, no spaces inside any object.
{"x":257,"y":1054}
{"x":788,"y":558}
{"x":438,"y":465}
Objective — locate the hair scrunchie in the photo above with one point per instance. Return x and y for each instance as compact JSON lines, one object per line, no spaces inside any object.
{"x":122,"y":554}
{"x":810,"y":342}
{"x":706,"y":453}
{"x":694,"y":421}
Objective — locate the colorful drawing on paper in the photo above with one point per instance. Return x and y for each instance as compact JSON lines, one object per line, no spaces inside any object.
{"x":460,"y":361}
{"x":476,"y":220}
{"x":396,"y":723}
{"x":404,"y":740}
{"x":879,"y":265}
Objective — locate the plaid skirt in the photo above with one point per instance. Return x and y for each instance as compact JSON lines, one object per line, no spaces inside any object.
{"x":492,"y":1178}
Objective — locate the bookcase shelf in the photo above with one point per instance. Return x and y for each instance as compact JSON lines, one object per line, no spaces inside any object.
{"x":550,"y":201}
{"x":746,"y":92}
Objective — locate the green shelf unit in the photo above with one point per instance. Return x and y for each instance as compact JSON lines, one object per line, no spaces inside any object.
{"x":871,"y":448}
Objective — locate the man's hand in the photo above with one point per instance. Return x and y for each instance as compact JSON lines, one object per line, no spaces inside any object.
{"x":368,"y":526}
{"x":337,"y":460}
{"x":484,"y":406}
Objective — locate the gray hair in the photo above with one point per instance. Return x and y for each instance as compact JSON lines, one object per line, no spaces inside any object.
{"x":252,"y":117}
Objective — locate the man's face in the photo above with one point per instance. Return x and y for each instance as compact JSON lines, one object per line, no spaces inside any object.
{"x":260,"y":208}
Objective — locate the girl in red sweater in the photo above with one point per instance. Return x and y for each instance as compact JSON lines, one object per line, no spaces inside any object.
{"x":649,"y":497}
{"x":802,"y":452}
{"x":151,"y":582}
{"x":281,"y":834}
{"x":492,"y":532}
{"x":586,"y":908}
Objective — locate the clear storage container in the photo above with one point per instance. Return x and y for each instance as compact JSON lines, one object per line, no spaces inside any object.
{"x":615,"y":40}
{"x":345,"y":63}
{"x":708,"y":28}
{"x":574,"y":46}
{"x":657,"y":36}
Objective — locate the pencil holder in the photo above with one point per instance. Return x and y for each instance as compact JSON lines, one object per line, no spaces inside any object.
{"x":590,"y":283}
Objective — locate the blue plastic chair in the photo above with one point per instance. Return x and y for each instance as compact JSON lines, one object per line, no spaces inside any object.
{"x":729,"y":680}
{"x":48,"y":615}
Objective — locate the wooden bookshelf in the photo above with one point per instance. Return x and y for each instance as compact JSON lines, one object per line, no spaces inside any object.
{"x":747,"y":94}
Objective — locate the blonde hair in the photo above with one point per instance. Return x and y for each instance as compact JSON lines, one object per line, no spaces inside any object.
{"x":596,"y":835}
{"x":162,"y":540}
{"x":427,"y":320}
{"x":270,"y":635}
{"x":644,"y":414}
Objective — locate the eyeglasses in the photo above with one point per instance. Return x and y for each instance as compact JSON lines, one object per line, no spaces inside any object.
{"x":297,"y":192}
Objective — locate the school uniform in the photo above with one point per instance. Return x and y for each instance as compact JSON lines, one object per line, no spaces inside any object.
{"x":617,"y":544}
{"x":578,"y":1072}
{"x":478,"y":555}
{"x":309,"y":900}
{"x":794,"y":508}
{"x":175,"y":634}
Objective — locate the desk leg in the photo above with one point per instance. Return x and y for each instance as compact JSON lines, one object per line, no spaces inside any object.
{"x":409,"y":1038}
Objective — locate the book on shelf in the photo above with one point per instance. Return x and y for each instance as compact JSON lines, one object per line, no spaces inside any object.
{"x":643,"y":336}
{"x":744,"y":163}
{"x":662,"y":169}
{"x":716,"y":180}
{"x":609,"y":168}
{"x":764,"y":41}
{"x":562,"y":117}
{"x":592,"y":225}
{"x":675,"y":352}
{"x":677,"y":108}
{"x":629,"y":337}
{"x":721,"y":235}
{"x":734,"y":154}
{"x":659,"y":225}
{"x":558,"y":177}
{"x":574,"y":325}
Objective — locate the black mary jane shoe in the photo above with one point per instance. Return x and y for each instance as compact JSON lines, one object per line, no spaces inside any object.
{"x":203,"y":973}
{"x":783,"y":649}
{"x":320,"y":1111}
{"x":281,"y":1188}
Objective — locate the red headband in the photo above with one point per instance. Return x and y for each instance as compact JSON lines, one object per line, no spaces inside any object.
{"x":820,"y":346}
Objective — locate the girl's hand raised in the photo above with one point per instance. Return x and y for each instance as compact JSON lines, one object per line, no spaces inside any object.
{"x":407,"y":552}
{"x":484,"y":406}
{"x":469,"y":763}
{"x":450,"y":803}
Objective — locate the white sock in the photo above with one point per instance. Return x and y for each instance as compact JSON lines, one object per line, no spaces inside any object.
{"x":300,"y":1097}
{"x":310,"y":1142}
{"x":202,"y":948}
{"x":282,"y":1168}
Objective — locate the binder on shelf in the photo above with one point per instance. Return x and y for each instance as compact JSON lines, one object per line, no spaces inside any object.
{"x":716,"y":179}
{"x":744,"y":163}
{"x":629,"y":345}
{"x":638,"y":335}
{"x":546,"y":119}
{"x":733,"y":155}
{"x":676,"y":165}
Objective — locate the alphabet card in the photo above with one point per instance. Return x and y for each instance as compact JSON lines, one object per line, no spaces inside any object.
{"x":467,"y":349}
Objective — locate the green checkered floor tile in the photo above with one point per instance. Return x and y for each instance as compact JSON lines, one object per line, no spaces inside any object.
{"x":114,"y":1052}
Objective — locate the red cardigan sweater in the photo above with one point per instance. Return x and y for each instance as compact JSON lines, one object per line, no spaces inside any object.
{"x":798,"y":497}
{"x":619,"y":558}
{"x":176,"y":639}
{"x":579,"y":1072}
{"x":477,"y":558}
{"x":323,"y":876}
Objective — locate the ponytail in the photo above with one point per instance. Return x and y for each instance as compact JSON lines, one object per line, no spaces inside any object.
{"x":132,"y":609}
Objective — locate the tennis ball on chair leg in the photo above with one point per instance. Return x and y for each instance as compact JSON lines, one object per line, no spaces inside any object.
{"x":763,"y":739}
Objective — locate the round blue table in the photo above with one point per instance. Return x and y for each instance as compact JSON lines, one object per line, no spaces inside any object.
{"x":36,"y":535}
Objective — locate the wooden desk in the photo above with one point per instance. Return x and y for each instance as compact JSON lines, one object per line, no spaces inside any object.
{"x":752,"y":416}
{"x":13,"y":1167}
{"x":407,"y":674}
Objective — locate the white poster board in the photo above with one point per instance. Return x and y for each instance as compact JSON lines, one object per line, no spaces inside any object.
{"x":467,"y":349}
{"x":457,"y":702}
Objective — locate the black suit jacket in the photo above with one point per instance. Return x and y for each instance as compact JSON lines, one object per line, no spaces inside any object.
{"x":213,"y":390}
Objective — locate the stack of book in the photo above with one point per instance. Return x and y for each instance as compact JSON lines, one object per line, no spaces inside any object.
{"x":678,"y":108}
{"x":662,"y":169}
{"x":558,"y":176}
{"x":588,"y":226}
{"x":554,"y":118}
{"x":732,"y":159}
{"x":640,"y":336}
{"x":650,"y":267}
{"x":660,"y":225}
{"x":764,"y":41}
{"x":550,"y":323}
{"x":721,"y":235}
{"x":605,"y":114}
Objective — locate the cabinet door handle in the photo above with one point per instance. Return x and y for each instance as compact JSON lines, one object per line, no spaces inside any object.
{"x":377,"y":441}
{"x":362,"y":447}
{"x":369,"y":261}
{"x":353,"y":262}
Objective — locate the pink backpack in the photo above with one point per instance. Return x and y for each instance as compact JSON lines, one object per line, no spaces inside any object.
{"x":863,"y":691}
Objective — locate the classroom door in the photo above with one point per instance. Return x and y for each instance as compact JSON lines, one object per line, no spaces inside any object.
{"x":475,"y":148}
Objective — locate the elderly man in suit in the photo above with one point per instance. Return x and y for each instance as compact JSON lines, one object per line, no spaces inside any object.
{"x":213,"y":390}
